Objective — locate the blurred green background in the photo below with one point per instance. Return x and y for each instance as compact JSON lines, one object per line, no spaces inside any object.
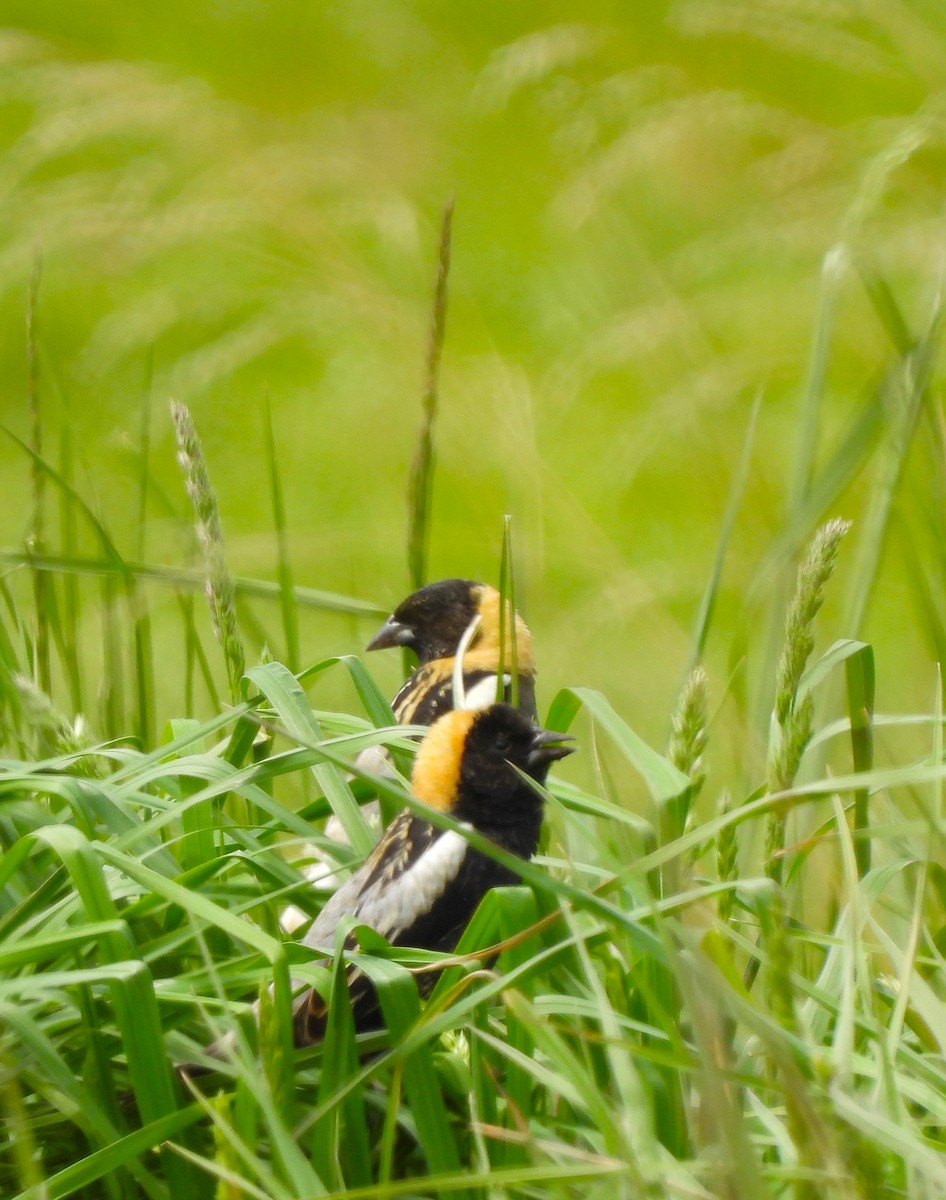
{"x":665,"y":213}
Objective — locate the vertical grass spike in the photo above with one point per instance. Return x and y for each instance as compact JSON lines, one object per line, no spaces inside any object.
{"x":727,"y":860}
{"x":688,"y":729}
{"x":221,"y":593}
{"x":792,"y":718}
{"x":420,"y":484}
{"x":507,"y":619}
{"x":144,"y":652}
{"x":36,"y":539}
{"x":287,"y":599}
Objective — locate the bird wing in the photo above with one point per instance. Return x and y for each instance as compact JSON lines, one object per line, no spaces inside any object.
{"x":401,"y":879}
{"x":398,"y":883}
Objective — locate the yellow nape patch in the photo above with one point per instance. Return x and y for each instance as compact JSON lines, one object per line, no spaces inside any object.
{"x":436,"y":774}
{"x":487,"y":637}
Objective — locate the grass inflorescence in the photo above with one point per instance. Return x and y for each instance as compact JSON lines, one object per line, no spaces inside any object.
{"x":221,"y":594}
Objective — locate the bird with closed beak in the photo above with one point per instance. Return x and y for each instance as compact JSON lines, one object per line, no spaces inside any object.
{"x":432,"y":623}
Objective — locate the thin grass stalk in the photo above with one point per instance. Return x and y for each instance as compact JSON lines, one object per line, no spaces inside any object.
{"x":111,"y":568}
{"x":21,"y":1143}
{"x":144,"y":654}
{"x":219,"y":582}
{"x":287,"y":602}
{"x":885,"y":305}
{"x":113,"y":689}
{"x":184,"y":578}
{"x":69,"y":625}
{"x":802,"y":483}
{"x":507,"y":619}
{"x":844,"y":466}
{"x":727,"y":860}
{"x":718,"y":1113}
{"x":392,"y":1109}
{"x":144,"y":458}
{"x":781,"y":997}
{"x":144,"y":669}
{"x":833,"y":270}
{"x":500,"y":686}
{"x":191,"y":646}
{"x":36,"y":538}
{"x":420,"y":482}
{"x":11,"y":664}
{"x":736,"y":492}
{"x":224,"y":1156}
{"x":907,"y":389}
{"x":275,"y":1054}
{"x":859,"y":678}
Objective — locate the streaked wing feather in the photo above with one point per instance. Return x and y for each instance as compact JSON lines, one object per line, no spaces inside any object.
{"x":408,"y":869}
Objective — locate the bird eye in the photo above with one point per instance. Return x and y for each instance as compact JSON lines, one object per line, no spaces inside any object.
{"x":503,"y":743}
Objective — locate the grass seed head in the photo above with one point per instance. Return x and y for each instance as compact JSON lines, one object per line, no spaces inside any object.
{"x":221,"y":594}
{"x":813,"y":575}
{"x":688,"y":733}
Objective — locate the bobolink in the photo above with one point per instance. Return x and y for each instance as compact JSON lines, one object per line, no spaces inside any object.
{"x":432,"y":622}
{"x":420,"y":885}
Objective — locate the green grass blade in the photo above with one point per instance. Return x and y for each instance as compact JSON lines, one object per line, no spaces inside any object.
{"x":287,"y":603}
{"x":663,"y":780}
{"x":507,"y":627}
{"x":113,"y":561}
{"x":737,"y":489}
{"x":122,"y":1153}
{"x":186,"y":579}
{"x":859,"y":678}
{"x":834,"y":269}
{"x":283,"y":692}
{"x":885,"y":306}
{"x":397,"y":995}
{"x":341,"y":1141}
{"x":67,"y":630}
{"x":36,"y":539}
{"x":906,"y":391}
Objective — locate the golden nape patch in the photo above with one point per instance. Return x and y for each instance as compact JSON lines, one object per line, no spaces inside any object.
{"x":487,"y":637}
{"x":436,"y":774}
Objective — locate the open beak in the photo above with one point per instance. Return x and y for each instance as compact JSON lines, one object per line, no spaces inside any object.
{"x":392,"y":633}
{"x":547,"y":747}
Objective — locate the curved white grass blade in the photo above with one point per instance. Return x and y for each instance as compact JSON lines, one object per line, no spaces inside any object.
{"x":459,"y":693}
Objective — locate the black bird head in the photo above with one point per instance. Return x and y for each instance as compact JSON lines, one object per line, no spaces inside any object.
{"x":470,"y":762}
{"x":432,"y":621}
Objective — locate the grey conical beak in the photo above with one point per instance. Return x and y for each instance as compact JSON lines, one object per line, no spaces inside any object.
{"x":547,"y":747}
{"x":392,"y":633}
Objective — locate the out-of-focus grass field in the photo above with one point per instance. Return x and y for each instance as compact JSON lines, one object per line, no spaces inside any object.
{"x":663,"y":212}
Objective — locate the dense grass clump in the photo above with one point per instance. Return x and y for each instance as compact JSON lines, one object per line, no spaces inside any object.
{"x":735,"y":998}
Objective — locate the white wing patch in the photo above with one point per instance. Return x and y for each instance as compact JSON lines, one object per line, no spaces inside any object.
{"x":483,"y":693}
{"x":397,"y":905}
